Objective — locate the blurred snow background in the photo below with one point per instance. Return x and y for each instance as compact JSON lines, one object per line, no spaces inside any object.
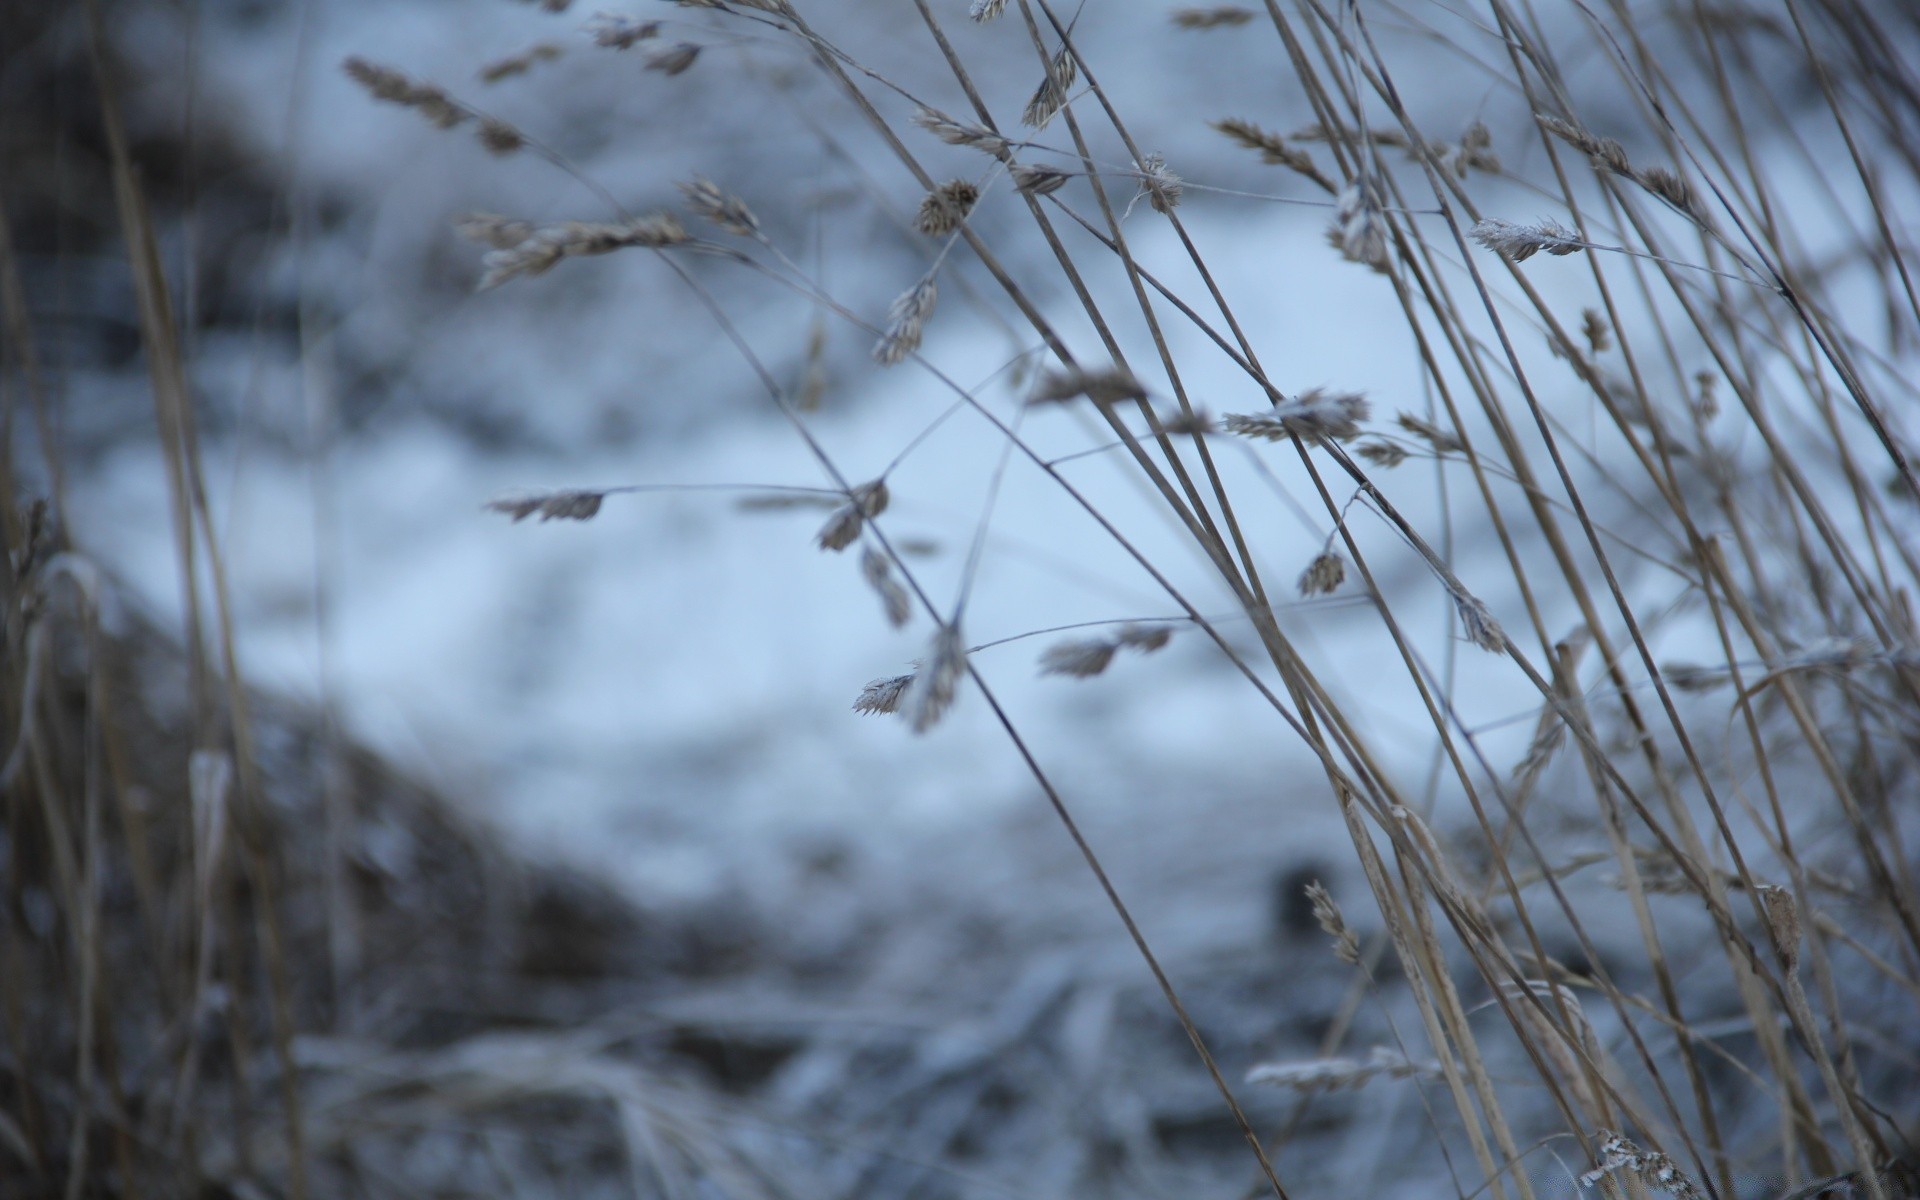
{"x":662,"y":695}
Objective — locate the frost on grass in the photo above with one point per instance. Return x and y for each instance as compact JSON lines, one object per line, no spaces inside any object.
{"x":865,"y":502}
{"x":882,"y":695}
{"x":1161,"y":187}
{"x":1313,"y":416}
{"x":1331,"y":1074}
{"x":1656,"y":1170}
{"x":1359,"y":229}
{"x":575,"y":504}
{"x":906,"y":321}
{"x":1517,"y":243}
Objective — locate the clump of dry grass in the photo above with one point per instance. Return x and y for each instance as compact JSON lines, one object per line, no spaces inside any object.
{"x":1684,"y":434}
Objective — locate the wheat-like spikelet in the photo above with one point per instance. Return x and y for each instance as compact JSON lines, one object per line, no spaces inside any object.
{"x":1051,"y":95}
{"x":1313,"y":416}
{"x":1359,"y":229}
{"x":935,"y":684}
{"x":1441,"y":441}
{"x":1161,"y":187}
{"x":724,"y":209}
{"x":865,"y":502}
{"x":569,"y":505}
{"x":1038,"y":180}
{"x":961,"y":133}
{"x":1656,"y":1170}
{"x":392,"y":87}
{"x":878,"y":572}
{"x":882,"y":695}
{"x":548,"y":244}
{"x":1144,"y":638}
{"x":618,"y":32}
{"x":945,"y":207}
{"x":1381,"y":454}
{"x":1078,"y":658}
{"x":985,"y":10}
{"x":1217,"y":17}
{"x":1518,"y":243}
{"x":492,"y":229}
{"x":1477,"y":622}
{"x":1272,"y":147}
{"x":521,"y":63}
{"x":674,"y":59}
{"x":1323,"y":575}
{"x":906,"y":321}
{"x":1105,"y":385}
{"x":1346,"y":946}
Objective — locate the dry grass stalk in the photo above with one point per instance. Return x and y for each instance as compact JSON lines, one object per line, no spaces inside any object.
{"x":1217,"y":17}
{"x":1051,"y":95}
{"x":567,"y":505}
{"x":546,"y":245}
{"x":521,"y":63}
{"x":617,"y":32}
{"x":1106,"y":385}
{"x":1783,"y":923}
{"x":878,"y":572}
{"x":906,"y":322}
{"x":721,"y":207}
{"x":944,"y":208}
{"x":1517,"y":243}
{"x":1333,"y":1074}
{"x":1313,"y":416}
{"x":866,"y":502}
{"x":1323,"y":575}
{"x":1656,"y":1170}
{"x":1346,"y":946}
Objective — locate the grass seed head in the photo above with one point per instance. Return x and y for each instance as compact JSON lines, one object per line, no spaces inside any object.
{"x":1517,"y":243}
{"x":722,"y":208}
{"x":882,"y":695}
{"x":1441,"y":441}
{"x":1359,"y":229}
{"x":499,"y":137}
{"x":1216,"y":17}
{"x":878,"y":573}
{"x":960,"y":133}
{"x":1051,"y":96}
{"x":1161,"y":187}
{"x":1108,"y":385}
{"x":935,"y":684}
{"x":1656,"y":1170}
{"x":1346,"y":946}
{"x":492,"y":229}
{"x":1323,"y":575}
{"x":1313,"y":416}
{"x":521,"y":63}
{"x":1034,"y":180}
{"x":906,"y":322}
{"x":575,"y":504}
{"x":674,"y":59}
{"x":1385,"y":455}
{"x":945,"y":207}
{"x":617,"y":32}
{"x":1144,"y":638}
{"x":388,"y":85}
{"x":1078,"y":658}
{"x":985,"y":10}
{"x":1477,"y":623}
